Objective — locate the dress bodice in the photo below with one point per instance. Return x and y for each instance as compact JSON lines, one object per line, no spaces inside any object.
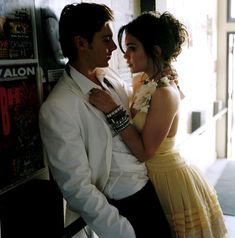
{"x":168,"y":144}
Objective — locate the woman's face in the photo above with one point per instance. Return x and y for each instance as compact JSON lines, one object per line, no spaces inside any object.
{"x":135,"y":55}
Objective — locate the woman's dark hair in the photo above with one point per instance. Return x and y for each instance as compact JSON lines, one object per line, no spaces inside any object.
{"x":83,"y":19}
{"x":153,"y":30}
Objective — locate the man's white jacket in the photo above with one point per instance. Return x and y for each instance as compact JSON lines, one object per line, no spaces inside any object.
{"x":78,"y":144}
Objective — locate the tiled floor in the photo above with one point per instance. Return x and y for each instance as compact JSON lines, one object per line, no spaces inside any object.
{"x":213,"y":173}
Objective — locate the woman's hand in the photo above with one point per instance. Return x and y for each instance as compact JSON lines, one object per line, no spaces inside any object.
{"x":102,"y":100}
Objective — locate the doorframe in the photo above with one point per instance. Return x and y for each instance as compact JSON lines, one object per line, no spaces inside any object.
{"x":230,"y":97}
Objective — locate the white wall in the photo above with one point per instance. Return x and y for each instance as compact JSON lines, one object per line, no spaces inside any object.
{"x":197,"y":75}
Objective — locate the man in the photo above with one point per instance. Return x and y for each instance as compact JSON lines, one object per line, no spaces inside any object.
{"x":91,"y":165}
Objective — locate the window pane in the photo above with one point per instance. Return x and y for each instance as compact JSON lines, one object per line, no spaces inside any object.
{"x":231,"y":10}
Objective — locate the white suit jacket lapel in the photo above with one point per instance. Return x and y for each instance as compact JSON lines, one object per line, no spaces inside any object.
{"x":74,"y":87}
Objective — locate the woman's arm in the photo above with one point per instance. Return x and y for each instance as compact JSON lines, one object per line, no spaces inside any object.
{"x":163,"y":108}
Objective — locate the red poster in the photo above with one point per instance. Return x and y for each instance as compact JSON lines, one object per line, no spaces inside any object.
{"x":20,"y":145}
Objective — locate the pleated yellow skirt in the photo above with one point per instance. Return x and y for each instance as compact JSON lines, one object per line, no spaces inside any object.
{"x":188,"y":199}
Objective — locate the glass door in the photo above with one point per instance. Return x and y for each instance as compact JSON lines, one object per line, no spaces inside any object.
{"x":231,"y":11}
{"x":231,"y":98}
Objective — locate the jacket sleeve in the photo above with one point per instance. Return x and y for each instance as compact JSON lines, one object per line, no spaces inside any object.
{"x":69,"y":165}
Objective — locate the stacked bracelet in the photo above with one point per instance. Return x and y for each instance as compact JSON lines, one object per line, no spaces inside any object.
{"x":118,"y":119}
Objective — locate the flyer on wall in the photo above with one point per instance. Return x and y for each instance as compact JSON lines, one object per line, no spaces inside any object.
{"x":21,"y":153}
{"x":16,"y":38}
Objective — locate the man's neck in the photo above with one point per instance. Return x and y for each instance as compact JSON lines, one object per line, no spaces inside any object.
{"x":90,"y":73}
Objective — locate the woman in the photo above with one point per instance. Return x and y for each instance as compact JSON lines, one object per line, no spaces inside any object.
{"x":152,"y":42}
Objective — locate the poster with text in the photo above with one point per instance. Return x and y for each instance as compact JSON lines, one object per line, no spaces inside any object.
{"x":21,"y":153}
{"x":16,"y":31}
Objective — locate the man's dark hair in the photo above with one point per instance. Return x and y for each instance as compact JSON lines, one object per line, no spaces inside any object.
{"x":83,"y":19}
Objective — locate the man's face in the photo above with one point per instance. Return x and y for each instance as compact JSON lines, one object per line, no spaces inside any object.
{"x":100,"y":49}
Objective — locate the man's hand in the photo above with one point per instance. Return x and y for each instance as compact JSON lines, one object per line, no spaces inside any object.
{"x":172,"y":74}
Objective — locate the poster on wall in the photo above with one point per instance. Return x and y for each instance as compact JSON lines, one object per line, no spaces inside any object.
{"x":21,"y":153}
{"x":51,"y":59}
{"x":16,"y":37}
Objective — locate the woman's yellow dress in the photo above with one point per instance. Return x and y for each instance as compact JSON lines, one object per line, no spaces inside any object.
{"x":189,"y":201}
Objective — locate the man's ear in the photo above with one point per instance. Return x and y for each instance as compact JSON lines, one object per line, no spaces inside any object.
{"x":80,"y":42}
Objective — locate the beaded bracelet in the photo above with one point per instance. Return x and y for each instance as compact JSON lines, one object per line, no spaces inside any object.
{"x":118,"y":119}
